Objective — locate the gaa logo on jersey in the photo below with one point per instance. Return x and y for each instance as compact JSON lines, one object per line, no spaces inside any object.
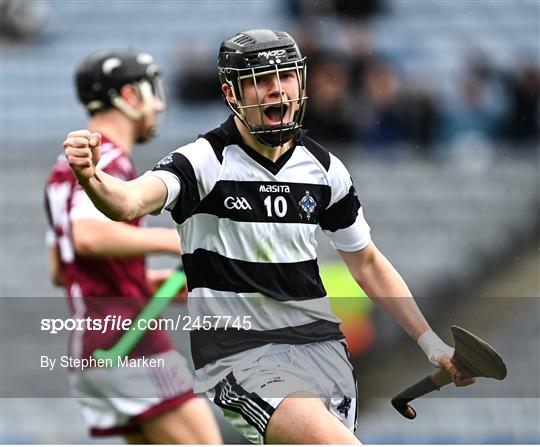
{"x":236,"y":203}
{"x":308,"y":204}
{"x":165,"y":160}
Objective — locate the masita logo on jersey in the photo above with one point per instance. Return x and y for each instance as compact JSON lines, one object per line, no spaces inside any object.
{"x":275,"y":188}
{"x":237,"y":203}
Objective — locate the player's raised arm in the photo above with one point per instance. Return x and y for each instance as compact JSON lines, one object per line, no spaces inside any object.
{"x":117,"y":199}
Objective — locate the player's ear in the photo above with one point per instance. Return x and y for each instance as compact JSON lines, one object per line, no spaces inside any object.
{"x":228,"y":93}
{"x":130,"y":94}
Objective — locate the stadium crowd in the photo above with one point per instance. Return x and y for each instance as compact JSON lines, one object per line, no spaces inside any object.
{"x":360,"y":97}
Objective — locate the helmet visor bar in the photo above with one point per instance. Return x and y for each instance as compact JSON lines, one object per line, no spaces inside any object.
{"x":153,"y":96}
{"x":158,"y":90}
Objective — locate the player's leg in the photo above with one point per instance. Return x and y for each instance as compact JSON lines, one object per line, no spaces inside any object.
{"x":146,"y":405}
{"x":303,"y":419}
{"x":99,"y":413}
{"x":327,"y":416}
{"x":285,"y":396}
{"x":190,"y":423}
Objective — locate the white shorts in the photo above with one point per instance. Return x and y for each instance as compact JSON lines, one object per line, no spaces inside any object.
{"x":115,"y":401}
{"x":249,"y":394}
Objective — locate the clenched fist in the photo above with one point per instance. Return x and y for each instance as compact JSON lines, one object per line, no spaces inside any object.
{"x":453,"y":371}
{"x":82,"y":149}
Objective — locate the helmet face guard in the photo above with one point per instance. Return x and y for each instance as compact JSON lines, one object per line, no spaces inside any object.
{"x":270,"y":135}
{"x":267,"y":53}
{"x":157,"y":90}
{"x":150,"y":90}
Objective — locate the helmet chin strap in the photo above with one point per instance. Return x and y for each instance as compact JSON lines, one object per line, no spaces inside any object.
{"x":275,"y":136}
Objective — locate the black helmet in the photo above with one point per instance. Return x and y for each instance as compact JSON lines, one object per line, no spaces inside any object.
{"x":258,"y":52}
{"x":100,"y":76}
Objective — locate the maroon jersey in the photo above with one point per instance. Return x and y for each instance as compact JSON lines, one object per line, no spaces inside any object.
{"x":97,"y":287}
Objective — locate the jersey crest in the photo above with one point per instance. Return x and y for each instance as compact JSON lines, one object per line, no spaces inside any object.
{"x":308,"y":204}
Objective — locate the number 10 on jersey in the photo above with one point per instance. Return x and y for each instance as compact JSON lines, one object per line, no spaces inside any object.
{"x":278,"y":205}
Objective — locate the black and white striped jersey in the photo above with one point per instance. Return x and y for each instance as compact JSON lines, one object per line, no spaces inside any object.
{"x":248,"y":234}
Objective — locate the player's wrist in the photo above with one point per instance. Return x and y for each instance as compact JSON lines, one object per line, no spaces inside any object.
{"x":434,"y":347}
{"x":85,"y":180}
{"x":173,"y":246}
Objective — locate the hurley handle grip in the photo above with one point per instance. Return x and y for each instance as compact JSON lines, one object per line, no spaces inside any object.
{"x":428,"y":384}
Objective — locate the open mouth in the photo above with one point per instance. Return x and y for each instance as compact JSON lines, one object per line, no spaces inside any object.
{"x":276,"y":113}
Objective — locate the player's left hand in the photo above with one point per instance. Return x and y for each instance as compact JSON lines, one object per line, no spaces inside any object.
{"x":453,"y":370}
{"x":156,"y":278}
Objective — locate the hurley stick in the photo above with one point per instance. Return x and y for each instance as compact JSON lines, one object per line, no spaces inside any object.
{"x":153,"y":309}
{"x":472,"y":355}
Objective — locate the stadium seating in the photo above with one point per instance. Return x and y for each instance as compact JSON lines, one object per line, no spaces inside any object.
{"x":430,"y":39}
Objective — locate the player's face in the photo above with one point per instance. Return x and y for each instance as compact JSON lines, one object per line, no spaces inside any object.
{"x":278,"y":97}
{"x":146,"y":125}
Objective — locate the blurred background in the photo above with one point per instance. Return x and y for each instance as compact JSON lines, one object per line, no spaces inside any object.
{"x":434,"y":108}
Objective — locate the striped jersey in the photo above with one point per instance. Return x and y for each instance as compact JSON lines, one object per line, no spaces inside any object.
{"x":248,"y":234}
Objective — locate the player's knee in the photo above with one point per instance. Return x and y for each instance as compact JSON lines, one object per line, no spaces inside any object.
{"x":305,"y":420}
{"x":201,"y":421}
{"x":191,"y":423}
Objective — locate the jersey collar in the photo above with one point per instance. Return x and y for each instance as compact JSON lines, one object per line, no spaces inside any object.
{"x":234,"y":137}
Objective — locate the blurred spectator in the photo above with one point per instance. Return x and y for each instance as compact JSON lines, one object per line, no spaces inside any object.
{"x":328,"y":116}
{"x":422,"y":118}
{"x":308,"y":37}
{"x":363,"y":9}
{"x":479,"y":106}
{"x":21,"y":20}
{"x":304,"y":9}
{"x":197,"y":80}
{"x":356,"y":41}
{"x":380,"y":120}
{"x":524,"y":104}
